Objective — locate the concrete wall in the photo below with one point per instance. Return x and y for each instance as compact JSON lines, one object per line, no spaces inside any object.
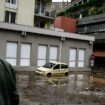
{"x":35,"y":40}
{"x":25,"y":14}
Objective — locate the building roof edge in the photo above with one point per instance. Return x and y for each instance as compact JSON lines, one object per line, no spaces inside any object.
{"x":48,"y":32}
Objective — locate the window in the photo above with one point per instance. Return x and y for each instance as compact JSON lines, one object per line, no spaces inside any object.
{"x":81,"y":57}
{"x":39,"y":23}
{"x":25,"y":55}
{"x":41,"y":6}
{"x":11,"y":4}
{"x":42,"y":55}
{"x":72,"y":57}
{"x":11,"y":1}
{"x":11,"y":53}
{"x":10,"y":17}
{"x":57,"y":67}
{"x":49,"y":65}
{"x":53,"y":54}
{"x":64,"y":66}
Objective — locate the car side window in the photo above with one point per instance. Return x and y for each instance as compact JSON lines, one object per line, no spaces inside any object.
{"x":57,"y":67}
{"x":64,"y":66}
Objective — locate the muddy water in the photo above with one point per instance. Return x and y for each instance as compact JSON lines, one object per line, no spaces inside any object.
{"x":60,"y":90}
{"x":70,"y":83}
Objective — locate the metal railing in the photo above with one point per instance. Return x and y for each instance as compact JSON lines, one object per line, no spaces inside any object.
{"x":45,"y":13}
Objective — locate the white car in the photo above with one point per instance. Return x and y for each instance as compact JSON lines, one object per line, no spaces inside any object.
{"x":53,"y":68}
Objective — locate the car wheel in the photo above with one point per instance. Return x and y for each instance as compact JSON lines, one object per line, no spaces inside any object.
{"x":49,"y":75}
{"x":66,"y":74}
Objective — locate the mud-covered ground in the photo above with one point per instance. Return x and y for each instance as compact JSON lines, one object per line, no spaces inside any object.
{"x":61,"y":91}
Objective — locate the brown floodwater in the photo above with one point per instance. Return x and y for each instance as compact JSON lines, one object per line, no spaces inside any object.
{"x":60,"y":90}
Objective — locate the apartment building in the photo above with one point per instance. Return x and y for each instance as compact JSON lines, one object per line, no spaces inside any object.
{"x":95,"y":26}
{"x":76,"y":3}
{"x":59,"y":6}
{"x":83,"y":8}
{"x":27,"y":12}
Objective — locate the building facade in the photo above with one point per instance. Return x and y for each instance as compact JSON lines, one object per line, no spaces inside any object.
{"x":30,"y":47}
{"x":59,"y":6}
{"x":91,"y":21}
{"x":25,"y":46}
{"x":83,"y":8}
{"x":27,"y":12}
{"x":95,"y":26}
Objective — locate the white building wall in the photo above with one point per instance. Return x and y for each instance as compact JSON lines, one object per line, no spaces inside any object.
{"x":25,"y":14}
{"x":2,"y":10}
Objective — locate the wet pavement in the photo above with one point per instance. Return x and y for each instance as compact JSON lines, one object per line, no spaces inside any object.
{"x":61,"y":90}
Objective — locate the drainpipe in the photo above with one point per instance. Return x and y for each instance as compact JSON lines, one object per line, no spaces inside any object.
{"x":60,"y":47}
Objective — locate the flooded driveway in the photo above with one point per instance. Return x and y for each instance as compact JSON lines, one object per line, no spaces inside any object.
{"x":61,"y":90}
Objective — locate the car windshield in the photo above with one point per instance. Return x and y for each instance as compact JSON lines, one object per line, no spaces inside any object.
{"x":49,"y":65}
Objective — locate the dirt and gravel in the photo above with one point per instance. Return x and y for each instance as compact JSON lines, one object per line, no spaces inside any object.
{"x":61,"y":91}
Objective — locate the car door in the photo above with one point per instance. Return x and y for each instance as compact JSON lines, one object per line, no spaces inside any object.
{"x":64,"y":68}
{"x":56,"y":69}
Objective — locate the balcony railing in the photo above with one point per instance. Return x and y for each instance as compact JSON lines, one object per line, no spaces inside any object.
{"x":92,"y":28}
{"x":10,"y":5}
{"x":92,"y":19}
{"x":45,"y":13}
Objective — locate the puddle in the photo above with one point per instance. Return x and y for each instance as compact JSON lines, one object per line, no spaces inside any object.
{"x":69,"y":82}
{"x":60,"y":90}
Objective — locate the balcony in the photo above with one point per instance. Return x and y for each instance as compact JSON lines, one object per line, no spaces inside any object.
{"x":93,"y":28}
{"x":10,"y":5}
{"x":45,"y":14}
{"x":91,"y":19}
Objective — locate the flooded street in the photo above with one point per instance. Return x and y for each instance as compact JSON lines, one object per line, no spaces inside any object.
{"x":61,"y":90}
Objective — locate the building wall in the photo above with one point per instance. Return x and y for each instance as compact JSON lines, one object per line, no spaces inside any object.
{"x":65,"y":23}
{"x":35,"y":40}
{"x":57,"y":22}
{"x":2,"y":9}
{"x":24,"y":11}
{"x":25,"y":14}
{"x":79,"y":45}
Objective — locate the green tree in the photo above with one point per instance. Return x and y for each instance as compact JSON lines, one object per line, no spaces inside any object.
{"x":92,"y":11}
